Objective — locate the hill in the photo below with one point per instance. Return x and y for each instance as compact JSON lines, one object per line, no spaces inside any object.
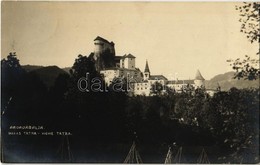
{"x":29,"y":68}
{"x":226,"y":81}
{"x":67,"y":69}
{"x":48,"y":74}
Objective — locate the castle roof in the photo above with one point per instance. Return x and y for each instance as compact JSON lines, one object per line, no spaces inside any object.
{"x":124,"y":56}
{"x":146,"y":67}
{"x":102,"y":39}
{"x":181,"y":82}
{"x":157,"y":77}
{"x":128,"y":56}
{"x":199,"y":76}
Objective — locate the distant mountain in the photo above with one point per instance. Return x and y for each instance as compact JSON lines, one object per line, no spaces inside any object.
{"x":29,"y":68}
{"x":227,"y":81}
{"x":48,"y":74}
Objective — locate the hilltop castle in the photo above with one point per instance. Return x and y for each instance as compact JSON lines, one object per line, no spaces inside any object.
{"x":112,"y":66}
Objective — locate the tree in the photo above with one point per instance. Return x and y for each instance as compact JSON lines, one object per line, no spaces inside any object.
{"x":157,"y":88}
{"x":60,"y":88}
{"x":250,"y":18}
{"x":83,"y":65}
{"x":11,"y":69}
{"x":11,"y":62}
{"x":11,"y":74}
{"x":23,"y":94}
{"x":248,"y":68}
{"x":236,"y":128}
{"x":83,"y":68}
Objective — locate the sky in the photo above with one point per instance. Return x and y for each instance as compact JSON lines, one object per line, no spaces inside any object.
{"x":177,"y":38}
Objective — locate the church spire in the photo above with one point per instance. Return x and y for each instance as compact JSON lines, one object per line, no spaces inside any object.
{"x":146,"y":71}
{"x":199,"y":76}
{"x":147,"y":67}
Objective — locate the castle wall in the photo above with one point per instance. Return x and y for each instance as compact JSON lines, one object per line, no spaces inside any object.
{"x":163,"y":82}
{"x":110,"y":75}
{"x":143,"y":88}
{"x":199,"y":83}
{"x":178,"y":87}
{"x":122,"y":63}
{"x":132,"y":75}
{"x":129,"y":63}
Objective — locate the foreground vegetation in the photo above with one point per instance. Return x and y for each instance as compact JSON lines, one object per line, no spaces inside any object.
{"x":228,"y":122}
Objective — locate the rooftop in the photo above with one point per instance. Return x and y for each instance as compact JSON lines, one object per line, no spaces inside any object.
{"x":116,"y":68}
{"x":146,"y":67}
{"x":157,"y":77}
{"x":128,"y":56}
{"x":125,"y":56}
{"x":181,"y":82}
{"x":102,"y":39}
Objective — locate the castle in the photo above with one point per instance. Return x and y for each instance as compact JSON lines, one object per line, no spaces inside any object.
{"x":111,"y":66}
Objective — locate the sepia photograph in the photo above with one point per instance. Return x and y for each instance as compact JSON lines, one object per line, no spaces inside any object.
{"x":130,"y":82}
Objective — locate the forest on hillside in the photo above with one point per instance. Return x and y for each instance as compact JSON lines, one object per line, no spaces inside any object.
{"x":103,"y":125}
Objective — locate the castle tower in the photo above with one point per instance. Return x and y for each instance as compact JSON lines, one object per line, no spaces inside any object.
{"x":104,"y":53}
{"x":146,"y":71}
{"x":101,"y":45}
{"x":128,"y":62}
{"x":199,"y":81}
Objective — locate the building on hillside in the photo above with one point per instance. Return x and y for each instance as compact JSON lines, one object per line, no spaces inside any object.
{"x":110,"y":74}
{"x":179,"y":85}
{"x":127,"y":62}
{"x":112,"y":66}
{"x":198,"y":82}
{"x":145,"y":87}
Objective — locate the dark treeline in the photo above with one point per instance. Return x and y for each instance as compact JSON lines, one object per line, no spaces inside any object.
{"x":108,"y":122}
